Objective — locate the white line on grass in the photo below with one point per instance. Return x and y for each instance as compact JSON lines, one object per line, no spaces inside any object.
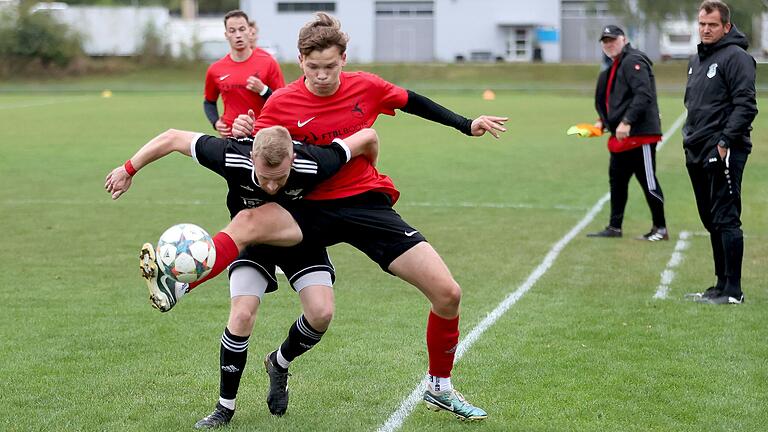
{"x":668,"y":275}
{"x":44,"y":102}
{"x":397,"y":418}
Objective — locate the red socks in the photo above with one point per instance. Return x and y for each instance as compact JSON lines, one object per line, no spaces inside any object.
{"x":226,"y":252}
{"x":442,"y":339}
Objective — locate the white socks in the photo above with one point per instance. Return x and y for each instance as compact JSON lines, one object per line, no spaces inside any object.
{"x":227,"y":403}
{"x":438,"y":384}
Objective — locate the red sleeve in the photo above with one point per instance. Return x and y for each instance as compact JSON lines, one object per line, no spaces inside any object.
{"x":268,"y":115}
{"x":391,"y":97}
{"x":211,"y":92}
{"x":276,"y":79}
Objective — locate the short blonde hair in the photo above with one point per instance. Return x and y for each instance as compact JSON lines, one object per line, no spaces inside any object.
{"x":322,"y":33}
{"x":273,"y":145}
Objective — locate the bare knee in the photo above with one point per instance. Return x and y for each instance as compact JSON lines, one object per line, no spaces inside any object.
{"x":447,"y":299}
{"x":319,"y":316}
{"x":241,"y":319}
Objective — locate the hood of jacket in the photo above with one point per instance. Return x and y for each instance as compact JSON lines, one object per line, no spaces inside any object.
{"x":733,"y":37}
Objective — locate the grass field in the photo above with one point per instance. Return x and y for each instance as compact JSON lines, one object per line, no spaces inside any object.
{"x":587,"y":348}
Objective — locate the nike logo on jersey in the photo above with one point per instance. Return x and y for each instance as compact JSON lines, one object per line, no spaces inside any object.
{"x":409,"y":234}
{"x":300,"y":123}
{"x":222,"y":78}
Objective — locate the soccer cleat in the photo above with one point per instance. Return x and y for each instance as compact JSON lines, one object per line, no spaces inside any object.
{"x":655,"y":234}
{"x":220,"y":416}
{"x":163,"y":292}
{"x":708,"y":293}
{"x":277,"y":398}
{"x":609,"y":232}
{"x":722,"y":299}
{"x":453,"y":402}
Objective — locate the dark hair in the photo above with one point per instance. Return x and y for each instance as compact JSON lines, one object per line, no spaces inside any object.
{"x":322,"y":33}
{"x":234,"y":14}
{"x":710,"y":6}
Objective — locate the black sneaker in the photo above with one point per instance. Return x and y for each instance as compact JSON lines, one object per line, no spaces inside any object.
{"x":709,"y":293}
{"x":609,"y":231}
{"x":655,"y":234}
{"x":277,"y":398}
{"x":218,"y":418}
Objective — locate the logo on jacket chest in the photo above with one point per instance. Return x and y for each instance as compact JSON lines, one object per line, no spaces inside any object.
{"x":712,"y":71}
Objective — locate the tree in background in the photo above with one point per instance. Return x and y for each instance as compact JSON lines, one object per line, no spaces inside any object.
{"x":35,"y":38}
{"x":654,"y":12}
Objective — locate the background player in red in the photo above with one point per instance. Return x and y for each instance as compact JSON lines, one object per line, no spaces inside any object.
{"x":244,"y":78}
{"x":327,"y":103}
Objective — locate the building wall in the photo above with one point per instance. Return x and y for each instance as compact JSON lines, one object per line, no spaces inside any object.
{"x":112,"y":30}
{"x":460,"y":26}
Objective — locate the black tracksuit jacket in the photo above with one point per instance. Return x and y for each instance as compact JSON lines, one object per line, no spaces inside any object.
{"x":720,"y":98}
{"x":633,"y":95}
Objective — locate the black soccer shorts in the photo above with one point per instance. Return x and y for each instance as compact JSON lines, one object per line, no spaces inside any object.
{"x":366,"y":221}
{"x":295,"y":262}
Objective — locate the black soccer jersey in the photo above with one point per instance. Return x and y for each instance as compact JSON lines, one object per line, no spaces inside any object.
{"x":230,"y":158}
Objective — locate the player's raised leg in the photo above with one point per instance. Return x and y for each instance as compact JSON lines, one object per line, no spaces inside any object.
{"x":422,"y":267}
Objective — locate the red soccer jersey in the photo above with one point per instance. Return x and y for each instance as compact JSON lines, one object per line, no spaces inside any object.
{"x":228,"y":78}
{"x":357,"y":103}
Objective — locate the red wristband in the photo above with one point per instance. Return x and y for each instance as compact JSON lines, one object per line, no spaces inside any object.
{"x":129,"y":168}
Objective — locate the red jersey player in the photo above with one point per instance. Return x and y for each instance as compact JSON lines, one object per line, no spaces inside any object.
{"x":354,"y":206}
{"x":244,"y":78}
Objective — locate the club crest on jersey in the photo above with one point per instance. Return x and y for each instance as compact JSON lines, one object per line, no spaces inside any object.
{"x":357,"y":109}
{"x":712,"y":71}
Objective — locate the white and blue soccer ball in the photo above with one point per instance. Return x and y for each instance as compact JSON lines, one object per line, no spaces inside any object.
{"x":185,"y":252}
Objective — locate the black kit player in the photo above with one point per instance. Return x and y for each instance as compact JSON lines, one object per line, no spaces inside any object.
{"x":273,"y":169}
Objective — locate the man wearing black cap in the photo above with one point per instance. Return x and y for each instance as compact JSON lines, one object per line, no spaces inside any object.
{"x":720,"y":98}
{"x":625,"y":100}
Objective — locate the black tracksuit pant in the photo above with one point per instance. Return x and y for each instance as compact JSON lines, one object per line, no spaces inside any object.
{"x":717,"y":188}
{"x":640,"y":162}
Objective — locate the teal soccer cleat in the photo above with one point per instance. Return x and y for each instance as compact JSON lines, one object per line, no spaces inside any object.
{"x":453,"y":402}
{"x":164,"y":292}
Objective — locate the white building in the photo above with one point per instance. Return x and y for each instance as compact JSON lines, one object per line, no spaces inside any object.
{"x":421,"y":31}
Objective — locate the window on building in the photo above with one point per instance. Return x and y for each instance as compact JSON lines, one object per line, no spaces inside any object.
{"x":405,"y":8}
{"x":287,"y":7}
{"x":584,"y":8}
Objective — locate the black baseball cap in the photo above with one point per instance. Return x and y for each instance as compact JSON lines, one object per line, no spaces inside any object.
{"x":611,"y":31}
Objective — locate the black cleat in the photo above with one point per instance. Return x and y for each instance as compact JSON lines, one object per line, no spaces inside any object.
{"x":709,"y":293}
{"x":277,"y":398}
{"x":723,"y":299}
{"x":655,"y":234}
{"x":218,"y":418}
{"x":609,"y":232}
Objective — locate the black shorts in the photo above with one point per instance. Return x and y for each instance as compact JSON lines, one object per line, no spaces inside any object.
{"x":295,"y":262}
{"x":366,"y":221}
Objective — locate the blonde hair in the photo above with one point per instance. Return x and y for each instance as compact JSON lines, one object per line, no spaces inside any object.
{"x":273,"y":145}
{"x":322,"y":33}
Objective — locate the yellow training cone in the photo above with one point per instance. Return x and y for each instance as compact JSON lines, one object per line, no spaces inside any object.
{"x":489,"y":95}
{"x":106,"y":94}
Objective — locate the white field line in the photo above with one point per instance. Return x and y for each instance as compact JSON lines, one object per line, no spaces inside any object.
{"x":668,"y":275}
{"x":395,"y":421}
{"x":44,"y":102}
{"x":522,"y":206}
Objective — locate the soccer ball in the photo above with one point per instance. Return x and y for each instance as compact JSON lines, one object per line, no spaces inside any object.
{"x":185,"y":253}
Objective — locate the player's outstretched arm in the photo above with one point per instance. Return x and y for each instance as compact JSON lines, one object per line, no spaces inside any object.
{"x":425,"y":107}
{"x":365,"y":143}
{"x":243,"y":125}
{"x":118,"y":181}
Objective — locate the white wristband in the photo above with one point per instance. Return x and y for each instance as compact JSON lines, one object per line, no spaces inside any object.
{"x":343,"y":145}
{"x":264,"y":91}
